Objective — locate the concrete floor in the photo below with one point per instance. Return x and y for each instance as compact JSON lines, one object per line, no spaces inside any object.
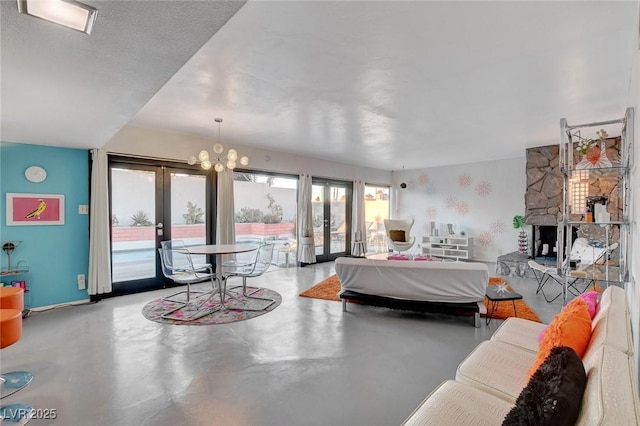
{"x":305,"y":363}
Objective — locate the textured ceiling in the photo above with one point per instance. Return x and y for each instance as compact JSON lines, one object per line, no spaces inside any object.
{"x":381,"y":84}
{"x":61,"y":87}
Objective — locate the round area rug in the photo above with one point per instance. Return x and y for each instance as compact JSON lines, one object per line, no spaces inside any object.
{"x":237,"y":309}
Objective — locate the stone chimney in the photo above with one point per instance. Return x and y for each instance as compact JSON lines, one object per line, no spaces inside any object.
{"x":543,"y":197}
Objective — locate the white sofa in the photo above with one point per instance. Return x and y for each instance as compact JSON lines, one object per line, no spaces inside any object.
{"x":434,"y":286}
{"x":490,"y":379}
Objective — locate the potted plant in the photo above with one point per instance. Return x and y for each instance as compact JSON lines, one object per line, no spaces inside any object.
{"x":518,"y":223}
{"x":307,"y":238}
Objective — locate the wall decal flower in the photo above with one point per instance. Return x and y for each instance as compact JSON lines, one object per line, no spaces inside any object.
{"x":463,"y":208}
{"x":498,"y":227}
{"x":464,"y":180}
{"x":451,"y":201}
{"x":484,"y":188}
{"x":485,"y":239}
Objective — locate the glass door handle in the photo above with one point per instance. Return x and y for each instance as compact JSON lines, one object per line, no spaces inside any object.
{"x":160,"y":225}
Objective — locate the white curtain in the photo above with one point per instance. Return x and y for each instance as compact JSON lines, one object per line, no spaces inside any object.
{"x":306,"y":252}
{"x":226,"y":232}
{"x":357,"y":214}
{"x":99,"y":281}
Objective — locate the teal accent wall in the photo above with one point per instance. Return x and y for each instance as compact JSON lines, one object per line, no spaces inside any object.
{"x":56,"y":254}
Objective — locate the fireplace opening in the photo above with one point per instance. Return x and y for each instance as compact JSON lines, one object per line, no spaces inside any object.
{"x":544,"y":245}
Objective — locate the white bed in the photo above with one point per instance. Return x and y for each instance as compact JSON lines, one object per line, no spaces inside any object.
{"x":444,"y":283}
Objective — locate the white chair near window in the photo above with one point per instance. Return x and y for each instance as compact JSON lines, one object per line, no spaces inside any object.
{"x":398,"y":233}
{"x":251,"y":267}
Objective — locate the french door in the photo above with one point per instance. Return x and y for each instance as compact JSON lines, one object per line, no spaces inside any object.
{"x":331,"y":207}
{"x":153,"y":202}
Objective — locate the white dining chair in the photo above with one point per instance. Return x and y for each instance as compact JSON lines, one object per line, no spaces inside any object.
{"x":251,"y":268}
{"x":177,"y":262}
{"x":178,"y":267}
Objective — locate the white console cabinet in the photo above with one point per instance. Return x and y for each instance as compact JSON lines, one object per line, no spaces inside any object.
{"x":447,"y":246}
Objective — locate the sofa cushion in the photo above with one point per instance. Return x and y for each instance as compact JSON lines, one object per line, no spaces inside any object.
{"x":553,"y":396}
{"x":571,"y":327}
{"x":397,"y":235}
{"x":519,"y":332}
{"x":498,"y":368}
{"x":458,"y":404}
{"x":613,"y":296}
{"x":611,"y":396}
{"x":612,"y":327}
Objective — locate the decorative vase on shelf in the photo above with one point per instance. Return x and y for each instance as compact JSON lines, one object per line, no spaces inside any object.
{"x":596,"y":158}
{"x":523,"y":242}
{"x":518,"y":223}
{"x":594,"y":152}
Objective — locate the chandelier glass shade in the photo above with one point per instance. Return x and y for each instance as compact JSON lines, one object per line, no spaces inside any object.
{"x":217,"y":159}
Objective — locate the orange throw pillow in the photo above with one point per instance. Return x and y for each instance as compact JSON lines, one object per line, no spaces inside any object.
{"x":571,"y":327}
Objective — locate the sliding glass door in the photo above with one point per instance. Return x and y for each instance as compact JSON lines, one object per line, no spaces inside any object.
{"x":331,"y":206}
{"x":152,"y":202}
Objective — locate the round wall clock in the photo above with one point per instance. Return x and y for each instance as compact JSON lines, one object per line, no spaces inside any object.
{"x":35,"y":174}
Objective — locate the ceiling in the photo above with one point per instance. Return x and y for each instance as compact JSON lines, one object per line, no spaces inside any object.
{"x":380,"y":84}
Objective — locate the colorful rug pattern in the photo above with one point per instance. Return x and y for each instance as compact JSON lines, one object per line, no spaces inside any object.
{"x":153,"y":310}
{"x":329,"y":289}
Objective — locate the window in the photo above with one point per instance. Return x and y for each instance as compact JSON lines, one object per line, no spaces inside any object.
{"x":376,"y":210}
{"x":265,"y":211}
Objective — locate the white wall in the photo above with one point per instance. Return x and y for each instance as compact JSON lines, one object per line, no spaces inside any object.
{"x":152,"y":143}
{"x":478,"y":198}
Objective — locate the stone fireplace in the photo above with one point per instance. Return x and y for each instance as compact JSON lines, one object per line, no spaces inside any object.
{"x":543,"y":242}
{"x":544,"y":203}
{"x":543,"y":197}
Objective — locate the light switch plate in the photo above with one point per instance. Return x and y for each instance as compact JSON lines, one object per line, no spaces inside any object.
{"x":83,"y":209}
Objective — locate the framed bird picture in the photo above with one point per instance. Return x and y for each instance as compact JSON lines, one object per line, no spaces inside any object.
{"x":35,"y":209}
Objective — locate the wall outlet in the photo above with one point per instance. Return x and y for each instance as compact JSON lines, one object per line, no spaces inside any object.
{"x":83,"y":209}
{"x":81,"y":282}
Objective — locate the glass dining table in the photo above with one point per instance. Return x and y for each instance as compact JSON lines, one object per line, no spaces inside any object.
{"x":219,"y":250}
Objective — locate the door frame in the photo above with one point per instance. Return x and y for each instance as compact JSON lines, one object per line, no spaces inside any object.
{"x":162,"y":168}
{"x":348,"y":186}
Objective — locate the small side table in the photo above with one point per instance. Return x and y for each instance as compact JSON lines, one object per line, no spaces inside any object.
{"x":499,"y":293}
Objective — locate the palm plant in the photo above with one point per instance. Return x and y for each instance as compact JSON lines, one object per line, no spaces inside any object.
{"x":193,"y":215}
{"x":140,"y":218}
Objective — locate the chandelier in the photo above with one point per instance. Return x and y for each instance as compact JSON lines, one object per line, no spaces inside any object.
{"x":217,"y":159}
